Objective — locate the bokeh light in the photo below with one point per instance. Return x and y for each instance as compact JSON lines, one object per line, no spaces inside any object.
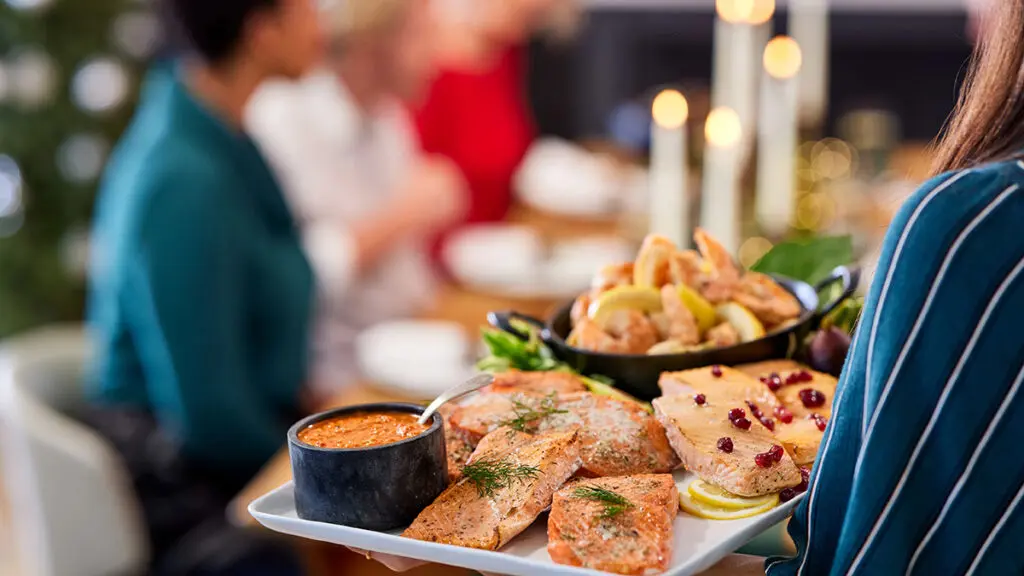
{"x":782,"y":57}
{"x":670,"y":109}
{"x":33,"y":77}
{"x":80,"y":158}
{"x":100,"y":85}
{"x":723,"y":128}
{"x":753,"y":249}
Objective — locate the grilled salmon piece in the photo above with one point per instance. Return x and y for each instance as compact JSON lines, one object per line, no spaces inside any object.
{"x":617,"y":438}
{"x":536,"y":382}
{"x":486,"y":516}
{"x":694,"y":432}
{"x":758,"y":369}
{"x":801,"y":439}
{"x":789,"y":394}
{"x":731,"y":383}
{"x":632,"y":537}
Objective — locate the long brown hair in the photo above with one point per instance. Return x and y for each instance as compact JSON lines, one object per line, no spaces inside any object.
{"x":988,"y":123}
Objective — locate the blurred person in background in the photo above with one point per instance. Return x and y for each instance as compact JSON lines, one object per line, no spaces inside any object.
{"x":200,"y":293}
{"x":476,"y":112}
{"x":345,"y":149}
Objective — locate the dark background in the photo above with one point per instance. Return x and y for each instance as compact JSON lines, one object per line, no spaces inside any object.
{"x":905,"y":62}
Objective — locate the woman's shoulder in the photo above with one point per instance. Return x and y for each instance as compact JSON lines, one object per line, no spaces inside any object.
{"x":964,"y":197}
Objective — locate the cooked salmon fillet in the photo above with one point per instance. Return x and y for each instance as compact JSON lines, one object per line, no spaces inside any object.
{"x":801,"y":439}
{"x":801,"y":435}
{"x":468,"y":514}
{"x":617,"y":438}
{"x":635,"y":538}
{"x":731,"y":382}
{"x":539,"y":382}
{"x":694,"y":431}
{"x":759,"y":369}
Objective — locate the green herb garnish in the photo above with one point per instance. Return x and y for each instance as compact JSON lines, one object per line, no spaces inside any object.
{"x":491,"y":475}
{"x":526,"y":414}
{"x":614,"y":504}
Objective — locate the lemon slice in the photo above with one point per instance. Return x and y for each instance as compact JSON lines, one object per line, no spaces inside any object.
{"x":712,"y":495}
{"x":742,"y":319}
{"x":624,"y":298}
{"x":702,"y":310}
{"x":695,"y":507}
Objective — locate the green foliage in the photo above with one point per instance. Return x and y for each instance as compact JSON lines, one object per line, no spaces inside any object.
{"x":810,"y":260}
{"x":35,"y":285}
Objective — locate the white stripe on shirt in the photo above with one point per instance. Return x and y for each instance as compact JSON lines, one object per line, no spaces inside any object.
{"x":888,"y":282}
{"x":947,"y":389}
{"x":1010,"y":399}
{"x":995,"y":531}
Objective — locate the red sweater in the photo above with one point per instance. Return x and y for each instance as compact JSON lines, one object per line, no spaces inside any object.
{"x":480,"y":120}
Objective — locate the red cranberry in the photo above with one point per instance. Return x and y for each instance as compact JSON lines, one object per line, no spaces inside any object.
{"x":776,"y":452}
{"x":764,"y":379}
{"x":806,"y":376}
{"x":819,"y":420}
{"x":700,"y":399}
{"x":767,"y":423}
{"x":812,"y":398}
{"x":773,"y":382}
{"x":741,"y":423}
{"x":725,"y":445}
{"x":754,"y":409}
{"x":805,"y":473}
{"x":736,"y":413}
{"x":764,"y":460}
{"x":792,"y":378}
{"x":716,"y":371}
{"x":788,"y":494}
{"x":784,"y":415}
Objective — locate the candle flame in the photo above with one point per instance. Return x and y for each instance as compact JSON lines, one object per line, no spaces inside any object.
{"x":782,"y":57}
{"x":670,"y":109}
{"x":745,"y":11}
{"x":723,"y":128}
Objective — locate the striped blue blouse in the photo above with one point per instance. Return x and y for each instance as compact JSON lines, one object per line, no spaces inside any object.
{"x":922,"y":467}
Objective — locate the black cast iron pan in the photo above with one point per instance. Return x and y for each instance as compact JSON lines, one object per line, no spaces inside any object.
{"x":638,"y":374}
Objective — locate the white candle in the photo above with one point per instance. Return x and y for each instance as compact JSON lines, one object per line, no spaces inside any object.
{"x":808,"y":25}
{"x":741,"y":30}
{"x":720,"y":199}
{"x":669,"y":203}
{"x":777,"y":136}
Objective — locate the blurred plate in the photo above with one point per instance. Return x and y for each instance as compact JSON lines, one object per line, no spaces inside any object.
{"x":415,"y":359}
{"x":559,"y":177}
{"x":512,"y":261}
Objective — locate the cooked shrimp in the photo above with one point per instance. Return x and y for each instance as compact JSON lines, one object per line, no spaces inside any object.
{"x":627,"y":332}
{"x":579,"y":308}
{"x":771,"y":303}
{"x":652,"y":262}
{"x":682,"y":325}
{"x":724,"y":275}
{"x":611,"y":276}
{"x":723,"y":335}
{"x":685,"y":267}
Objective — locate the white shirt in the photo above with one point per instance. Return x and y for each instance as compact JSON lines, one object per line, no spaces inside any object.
{"x":337,"y":166}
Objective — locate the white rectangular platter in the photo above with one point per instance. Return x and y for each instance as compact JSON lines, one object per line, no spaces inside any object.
{"x":699,"y":544}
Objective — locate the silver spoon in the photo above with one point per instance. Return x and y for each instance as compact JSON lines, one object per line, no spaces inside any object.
{"x":472,"y":385}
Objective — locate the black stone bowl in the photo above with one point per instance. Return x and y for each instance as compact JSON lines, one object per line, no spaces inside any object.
{"x":375,"y":488}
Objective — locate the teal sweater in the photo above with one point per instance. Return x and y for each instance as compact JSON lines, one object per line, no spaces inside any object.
{"x":921,"y":472}
{"x":200,"y":295}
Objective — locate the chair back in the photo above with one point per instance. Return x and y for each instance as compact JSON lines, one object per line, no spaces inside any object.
{"x":73,"y":509}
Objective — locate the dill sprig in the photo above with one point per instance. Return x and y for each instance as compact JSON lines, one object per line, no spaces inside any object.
{"x":526,"y":414}
{"x":491,"y":475}
{"x":614,"y":504}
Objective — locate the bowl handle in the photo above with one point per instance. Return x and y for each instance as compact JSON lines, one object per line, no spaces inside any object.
{"x":503,"y":321}
{"x":850,"y":278}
